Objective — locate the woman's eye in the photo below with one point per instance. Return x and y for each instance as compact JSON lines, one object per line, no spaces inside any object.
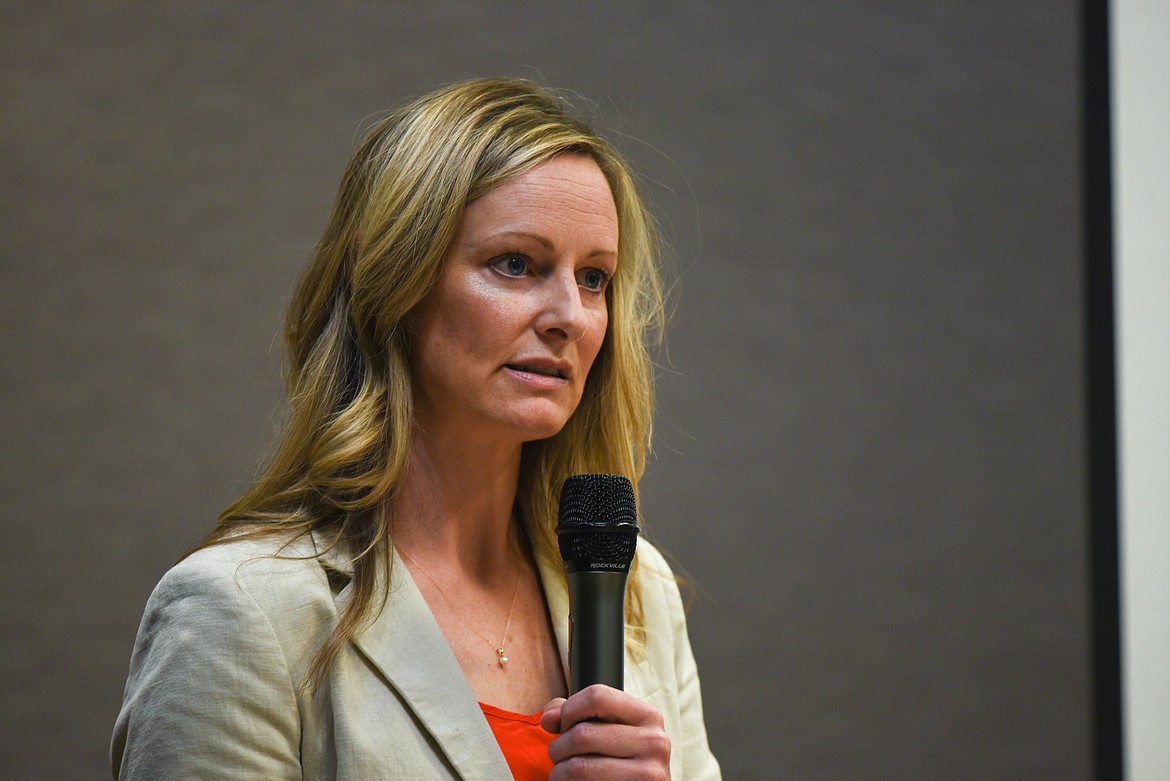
{"x":594,"y":279}
{"x":512,"y":265}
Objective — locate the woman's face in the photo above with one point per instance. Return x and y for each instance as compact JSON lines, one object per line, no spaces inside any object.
{"x":503,"y":343}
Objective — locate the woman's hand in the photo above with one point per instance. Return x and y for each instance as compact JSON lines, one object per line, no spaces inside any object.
{"x":606,"y":733}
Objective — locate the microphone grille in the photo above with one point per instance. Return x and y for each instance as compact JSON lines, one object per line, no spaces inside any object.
{"x":598,"y":520}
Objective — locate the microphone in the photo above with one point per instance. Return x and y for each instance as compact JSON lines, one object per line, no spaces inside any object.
{"x":597,"y":533}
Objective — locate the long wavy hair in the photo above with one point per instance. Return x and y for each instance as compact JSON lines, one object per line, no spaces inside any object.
{"x":347,"y":336}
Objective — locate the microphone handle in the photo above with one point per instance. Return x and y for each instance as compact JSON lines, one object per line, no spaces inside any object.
{"x":597,"y":629}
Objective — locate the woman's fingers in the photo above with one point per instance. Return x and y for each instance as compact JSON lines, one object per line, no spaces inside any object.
{"x":606,"y":733}
{"x":604,"y":703}
{"x":620,"y":741}
{"x":595,"y":768}
{"x":550,"y":719}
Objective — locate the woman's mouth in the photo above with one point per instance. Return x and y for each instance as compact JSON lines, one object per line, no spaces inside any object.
{"x":546,"y":371}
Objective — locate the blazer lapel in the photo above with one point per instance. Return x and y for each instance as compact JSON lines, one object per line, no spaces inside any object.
{"x":406,"y":645}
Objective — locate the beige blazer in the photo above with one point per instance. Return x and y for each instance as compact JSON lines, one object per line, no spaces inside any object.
{"x":215,"y":686}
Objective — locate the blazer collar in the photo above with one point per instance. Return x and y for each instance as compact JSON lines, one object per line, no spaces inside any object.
{"x":407,"y":647}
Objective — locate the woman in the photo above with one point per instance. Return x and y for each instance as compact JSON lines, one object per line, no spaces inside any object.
{"x":387,"y":601}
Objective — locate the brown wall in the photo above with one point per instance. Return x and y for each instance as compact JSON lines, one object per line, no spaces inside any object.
{"x":870,"y":440}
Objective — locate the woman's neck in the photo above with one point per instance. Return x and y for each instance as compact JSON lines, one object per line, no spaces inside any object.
{"x":454,"y":506}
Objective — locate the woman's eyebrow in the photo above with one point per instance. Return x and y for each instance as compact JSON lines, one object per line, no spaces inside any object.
{"x":543,"y":241}
{"x":546,"y":242}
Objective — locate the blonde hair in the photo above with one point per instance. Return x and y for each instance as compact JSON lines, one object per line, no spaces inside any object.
{"x":397,"y":209}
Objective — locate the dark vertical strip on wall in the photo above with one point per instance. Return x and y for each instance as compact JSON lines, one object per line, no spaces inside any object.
{"x":1101,"y":391}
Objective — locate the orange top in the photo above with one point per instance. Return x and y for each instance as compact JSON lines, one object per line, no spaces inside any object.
{"x":523,"y":741}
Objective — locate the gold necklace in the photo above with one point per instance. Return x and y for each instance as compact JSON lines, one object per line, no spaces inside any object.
{"x":501,"y":657}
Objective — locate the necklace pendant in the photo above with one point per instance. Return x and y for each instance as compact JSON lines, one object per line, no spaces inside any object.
{"x":502,"y":660}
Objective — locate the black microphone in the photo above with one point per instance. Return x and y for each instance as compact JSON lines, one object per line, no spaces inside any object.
{"x":597,"y":532}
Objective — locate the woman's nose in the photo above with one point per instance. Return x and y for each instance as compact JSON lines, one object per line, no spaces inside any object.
{"x":563,"y":313}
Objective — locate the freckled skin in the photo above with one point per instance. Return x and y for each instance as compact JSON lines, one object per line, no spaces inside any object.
{"x":522,"y":284}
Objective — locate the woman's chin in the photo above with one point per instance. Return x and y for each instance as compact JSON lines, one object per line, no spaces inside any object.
{"x":540,"y":424}
{"x":536,"y":433}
